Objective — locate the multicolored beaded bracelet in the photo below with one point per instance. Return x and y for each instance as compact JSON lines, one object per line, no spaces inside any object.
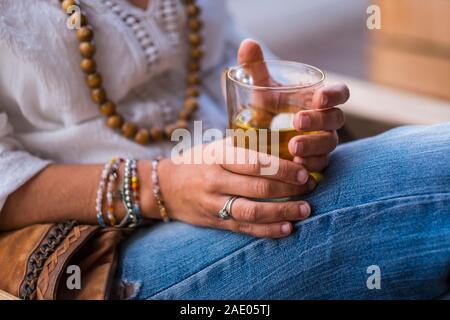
{"x":157,"y":190}
{"x":130,"y":195}
{"x":135,"y":192}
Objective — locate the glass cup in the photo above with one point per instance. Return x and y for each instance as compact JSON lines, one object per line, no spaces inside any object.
{"x":265,"y":96}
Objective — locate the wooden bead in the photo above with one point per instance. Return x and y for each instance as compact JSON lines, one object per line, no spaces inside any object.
{"x":108,"y":108}
{"x":87,"y":49}
{"x":181,"y":124}
{"x":156,"y":133}
{"x":196,"y":53}
{"x":98,"y":95}
{"x":190,"y":104}
{"x":66,"y":4}
{"x":192,"y":92}
{"x":83,"y":19}
{"x":88,"y":65}
{"x":193,"y":66}
{"x":193,"y":10}
{"x":114,"y":121}
{"x":169,"y":129}
{"x":93,"y":80}
{"x":195,"y":39}
{"x":185,"y":114}
{"x":194,"y":24}
{"x":193,"y":79}
{"x":142,"y":136}
{"x":128,"y":129}
{"x":85,"y":34}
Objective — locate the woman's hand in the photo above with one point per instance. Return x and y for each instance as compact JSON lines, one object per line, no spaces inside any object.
{"x":310,"y":150}
{"x":194,"y":193}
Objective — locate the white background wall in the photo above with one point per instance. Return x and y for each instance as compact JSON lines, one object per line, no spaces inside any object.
{"x":330,"y":34}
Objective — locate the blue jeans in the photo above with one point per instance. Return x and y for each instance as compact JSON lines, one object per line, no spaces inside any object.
{"x":385,"y":203}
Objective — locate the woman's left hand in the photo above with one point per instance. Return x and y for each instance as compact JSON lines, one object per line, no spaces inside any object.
{"x":310,"y":150}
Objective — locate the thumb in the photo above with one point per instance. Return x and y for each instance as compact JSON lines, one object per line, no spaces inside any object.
{"x":249,"y":53}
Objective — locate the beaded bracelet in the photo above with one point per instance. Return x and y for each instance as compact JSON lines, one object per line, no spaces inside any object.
{"x":100,"y":191}
{"x":157,"y":191}
{"x":135,"y":192}
{"x":113,"y":175}
{"x":130,"y":195}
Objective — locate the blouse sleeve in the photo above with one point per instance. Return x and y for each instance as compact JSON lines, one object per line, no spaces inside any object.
{"x":17,"y":166}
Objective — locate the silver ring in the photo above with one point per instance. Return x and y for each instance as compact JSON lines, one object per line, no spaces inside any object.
{"x":225,"y":212}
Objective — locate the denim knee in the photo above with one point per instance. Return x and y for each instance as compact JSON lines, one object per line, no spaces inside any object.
{"x":413,"y":160}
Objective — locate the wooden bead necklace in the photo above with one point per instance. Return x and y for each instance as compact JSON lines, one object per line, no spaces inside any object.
{"x":93,"y":79}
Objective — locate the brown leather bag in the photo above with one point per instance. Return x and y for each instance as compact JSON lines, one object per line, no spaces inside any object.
{"x":34,"y":260}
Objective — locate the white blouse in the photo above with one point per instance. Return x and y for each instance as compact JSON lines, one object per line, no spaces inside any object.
{"x":46,"y":114}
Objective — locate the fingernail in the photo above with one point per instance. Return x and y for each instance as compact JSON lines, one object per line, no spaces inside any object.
{"x":302,"y":176}
{"x":286,"y":228}
{"x":304,"y":210}
{"x":324,"y":100}
{"x":305,"y":121}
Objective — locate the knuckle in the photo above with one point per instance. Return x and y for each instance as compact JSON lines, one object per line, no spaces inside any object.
{"x":245,"y":228}
{"x":283,"y":170}
{"x":262,"y":188}
{"x":285,"y":211}
{"x":249,"y":213}
{"x":211,"y":183}
{"x":208,"y":206}
{"x":306,"y":146}
{"x":268,"y":232}
{"x":321,"y":120}
{"x":316,"y":119}
{"x":221,"y":224}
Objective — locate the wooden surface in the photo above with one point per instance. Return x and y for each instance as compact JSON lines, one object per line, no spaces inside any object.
{"x":412,"y":49}
{"x":415,"y":71}
{"x":424,"y":22}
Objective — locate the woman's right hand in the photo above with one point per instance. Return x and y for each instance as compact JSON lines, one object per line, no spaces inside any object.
{"x":194,"y":193}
